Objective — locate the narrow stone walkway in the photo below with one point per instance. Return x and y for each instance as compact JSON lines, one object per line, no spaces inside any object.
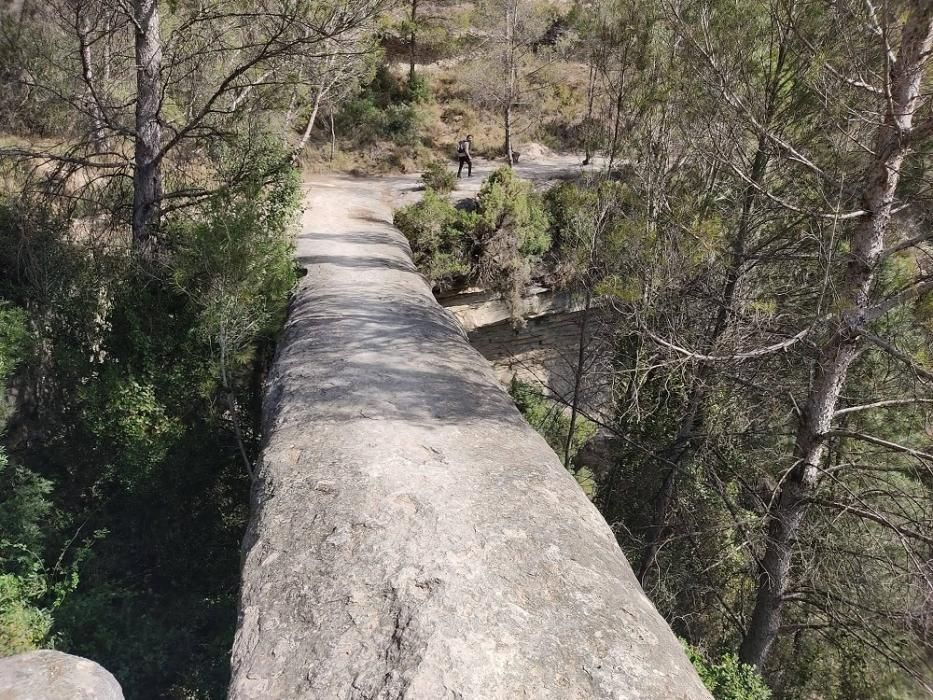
{"x":411,"y":536}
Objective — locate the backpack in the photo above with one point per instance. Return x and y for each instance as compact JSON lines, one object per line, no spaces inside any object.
{"x":461,"y":149}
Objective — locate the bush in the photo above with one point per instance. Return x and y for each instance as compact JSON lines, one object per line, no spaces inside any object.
{"x":513,"y":234}
{"x":552,"y":422}
{"x":25,"y":508}
{"x":438,"y":177}
{"x":402,"y":124}
{"x":728,"y":678}
{"x":139,"y":381}
{"x":440,"y":237}
{"x":418,"y":89}
{"x":14,"y":338}
{"x":497,"y":244}
{"x":386,"y":110}
{"x":507,"y":201}
{"x":235,"y":258}
{"x":551,"y":419}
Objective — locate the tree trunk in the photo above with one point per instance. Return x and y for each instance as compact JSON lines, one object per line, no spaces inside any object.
{"x":588,"y":124}
{"x":333,"y":137}
{"x":147,"y":175}
{"x":108,"y":52}
{"x":672,"y":457}
{"x":578,"y":376}
{"x":317,"y":103}
{"x":615,"y":129}
{"x":290,"y":112}
{"x":87,"y":71}
{"x":412,"y":39}
{"x":679,"y":450}
{"x":508,"y":133}
{"x":840,"y":350}
{"x":511,"y":17}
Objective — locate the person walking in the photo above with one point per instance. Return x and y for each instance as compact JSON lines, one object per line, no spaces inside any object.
{"x":463,"y":155}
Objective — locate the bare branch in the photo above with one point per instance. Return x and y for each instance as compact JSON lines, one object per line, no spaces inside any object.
{"x":881,"y":404}
{"x":880,"y":442}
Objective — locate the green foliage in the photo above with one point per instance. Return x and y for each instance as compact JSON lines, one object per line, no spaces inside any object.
{"x":438,"y":177}
{"x":563,"y":201}
{"x":439,"y":235}
{"x":15,"y":342}
{"x":120,"y":529}
{"x":14,"y":338}
{"x":594,"y":234}
{"x":727,"y":678}
{"x":25,"y":515}
{"x":385,"y":110}
{"x":30,"y":590}
{"x":126,"y":413}
{"x":552,"y":421}
{"x":419,"y":90}
{"x":587,"y":480}
{"x":25,"y":622}
{"x":497,"y":244}
{"x":512,"y":233}
{"x":506,"y":201}
{"x":235,"y":260}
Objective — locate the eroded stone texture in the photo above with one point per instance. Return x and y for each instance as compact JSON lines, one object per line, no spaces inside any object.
{"x":52,"y":675}
{"x":412,"y":537}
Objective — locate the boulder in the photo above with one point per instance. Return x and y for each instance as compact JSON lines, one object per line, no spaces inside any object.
{"x":52,"y":675}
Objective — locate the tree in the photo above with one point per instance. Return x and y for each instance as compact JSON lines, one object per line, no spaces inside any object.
{"x":858,"y":298}
{"x":193,"y":85}
{"x":148,"y":144}
{"x":749,"y":198}
{"x":515,"y":28}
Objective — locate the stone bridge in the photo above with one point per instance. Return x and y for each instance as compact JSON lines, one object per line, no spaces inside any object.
{"x":411,"y":536}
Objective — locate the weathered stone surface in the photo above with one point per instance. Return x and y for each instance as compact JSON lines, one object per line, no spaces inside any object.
{"x":412,"y":537}
{"x":52,"y":675}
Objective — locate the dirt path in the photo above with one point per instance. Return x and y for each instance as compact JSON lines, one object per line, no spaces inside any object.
{"x":411,"y":536}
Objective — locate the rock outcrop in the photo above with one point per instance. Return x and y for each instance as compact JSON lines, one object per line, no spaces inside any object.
{"x":52,"y":675}
{"x":411,"y":536}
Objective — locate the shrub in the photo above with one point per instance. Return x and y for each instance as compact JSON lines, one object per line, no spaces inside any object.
{"x":728,"y":678}
{"x":386,"y":110}
{"x":14,"y":338}
{"x":440,"y":237}
{"x":497,"y":244}
{"x":513,"y":233}
{"x":235,"y":257}
{"x":551,"y":420}
{"x":139,"y":449}
{"x":402,"y":124}
{"x":29,"y":592}
{"x":24,"y":624}
{"x":418,"y":89}
{"x":507,"y":201}
{"x":438,"y":177}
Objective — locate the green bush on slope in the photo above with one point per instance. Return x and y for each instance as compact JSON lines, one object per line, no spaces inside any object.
{"x":440,"y":236}
{"x":438,"y":177}
{"x":150,"y":375}
{"x":727,"y":678}
{"x":496,"y":245}
{"x":551,"y":420}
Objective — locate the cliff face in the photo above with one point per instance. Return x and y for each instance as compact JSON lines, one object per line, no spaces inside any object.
{"x":411,"y":536}
{"x":543,"y":351}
